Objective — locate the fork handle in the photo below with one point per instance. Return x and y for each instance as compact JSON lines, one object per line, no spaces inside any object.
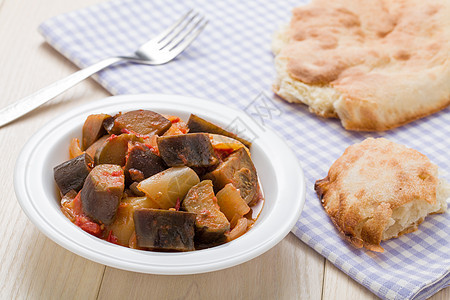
{"x":29,"y":103}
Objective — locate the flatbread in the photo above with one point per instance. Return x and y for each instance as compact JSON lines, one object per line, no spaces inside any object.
{"x":378,"y":190}
{"x":373,"y":64}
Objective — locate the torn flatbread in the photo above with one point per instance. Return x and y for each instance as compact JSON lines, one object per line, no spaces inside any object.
{"x":374,"y":64}
{"x":379,"y":190}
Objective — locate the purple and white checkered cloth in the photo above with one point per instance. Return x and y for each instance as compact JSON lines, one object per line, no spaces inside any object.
{"x":231,"y":63}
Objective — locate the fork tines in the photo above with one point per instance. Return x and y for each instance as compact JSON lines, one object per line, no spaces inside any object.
{"x":182,"y":32}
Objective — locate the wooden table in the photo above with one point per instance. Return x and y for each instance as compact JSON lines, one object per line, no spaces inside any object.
{"x":34,"y":267}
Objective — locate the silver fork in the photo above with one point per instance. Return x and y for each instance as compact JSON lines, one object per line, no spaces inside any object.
{"x":159,"y":50}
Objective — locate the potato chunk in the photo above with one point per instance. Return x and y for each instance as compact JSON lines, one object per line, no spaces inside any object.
{"x":168,"y":186}
{"x":231,"y":202}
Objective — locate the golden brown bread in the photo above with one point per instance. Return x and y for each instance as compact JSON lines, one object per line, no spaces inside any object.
{"x":378,"y":190}
{"x":374,"y":64}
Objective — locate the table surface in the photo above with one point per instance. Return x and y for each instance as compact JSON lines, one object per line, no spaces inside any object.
{"x":34,"y":267}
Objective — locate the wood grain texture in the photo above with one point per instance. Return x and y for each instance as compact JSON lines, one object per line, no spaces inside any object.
{"x":289,"y":270}
{"x":338,"y":284}
{"x":34,"y":267}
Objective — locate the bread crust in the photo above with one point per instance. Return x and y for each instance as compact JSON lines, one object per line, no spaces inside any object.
{"x":388,"y":60}
{"x":368,"y":182}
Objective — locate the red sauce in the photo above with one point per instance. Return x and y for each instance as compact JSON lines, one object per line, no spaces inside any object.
{"x":112,"y":238}
{"x":73,"y":210}
{"x":111,"y":137}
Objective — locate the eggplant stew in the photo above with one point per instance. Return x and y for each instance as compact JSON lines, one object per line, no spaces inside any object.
{"x":152,"y":182}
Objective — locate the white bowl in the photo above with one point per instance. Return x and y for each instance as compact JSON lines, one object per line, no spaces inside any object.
{"x":280,"y":175}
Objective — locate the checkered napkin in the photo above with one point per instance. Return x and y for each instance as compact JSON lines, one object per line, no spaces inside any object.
{"x":231,"y":63}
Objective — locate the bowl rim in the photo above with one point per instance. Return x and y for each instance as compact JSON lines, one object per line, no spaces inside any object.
{"x":287,"y":207}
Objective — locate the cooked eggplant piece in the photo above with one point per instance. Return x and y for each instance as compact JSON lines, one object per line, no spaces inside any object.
{"x":231,"y":202}
{"x":197,"y":124}
{"x":239,"y":170}
{"x":108,"y":123}
{"x":70,"y":175}
{"x":97,"y":144}
{"x":246,"y":181}
{"x":192,"y":150}
{"x":93,"y":129}
{"x":211,"y":224}
{"x":143,"y":122}
{"x":168,"y":186}
{"x":135,"y":191}
{"x":114,"y":150}
{"x":102,"y":192}
{"x":142,"y":163}
{"x":164,"y":229}
{"x":134,"y":175}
